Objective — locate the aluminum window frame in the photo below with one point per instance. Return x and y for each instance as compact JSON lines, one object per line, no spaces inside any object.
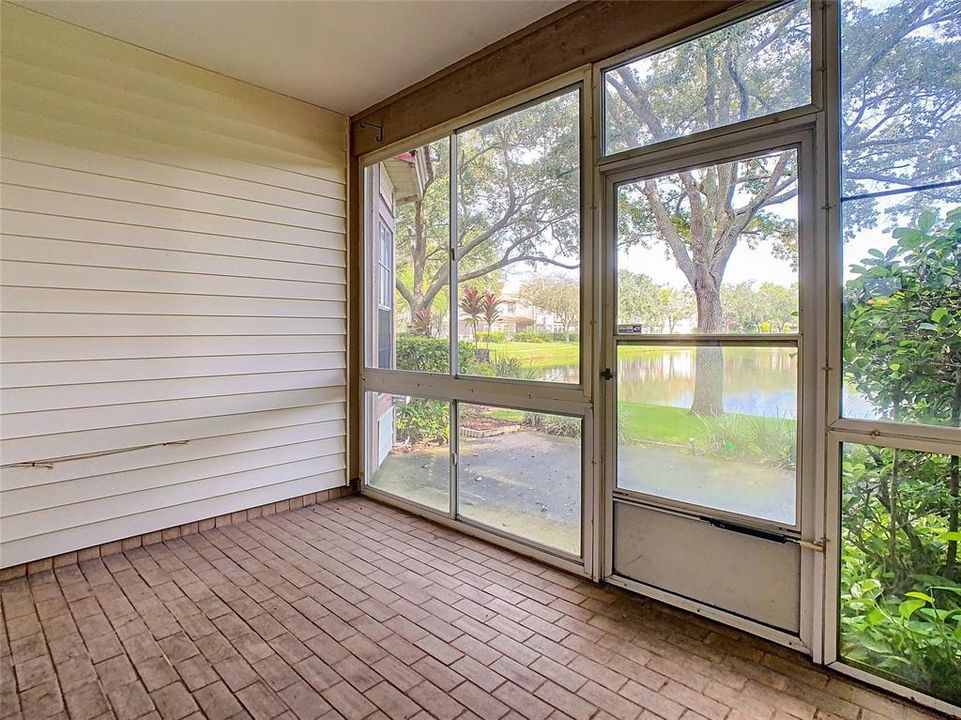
{"x":802,"y":133}
{"x":724,"y":19}
{"x":747,"y":144}
{"x":569,"y":399}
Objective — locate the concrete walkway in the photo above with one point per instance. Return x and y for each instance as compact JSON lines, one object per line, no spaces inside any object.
{"x":528,"y":483}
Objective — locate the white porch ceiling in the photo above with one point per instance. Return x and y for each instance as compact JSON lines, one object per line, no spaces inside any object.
{"x":344,"y":56}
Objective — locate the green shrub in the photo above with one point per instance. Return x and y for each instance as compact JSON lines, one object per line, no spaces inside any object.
{"x":510,"y":367}
{"x":532,"y":336}
{"x":560,"y":425}
{"x":420,"y":420}
{"x":422,"y":353}
{"x":490,"y":337}
{"x":750,"y":437}
{"x":561,"y":337}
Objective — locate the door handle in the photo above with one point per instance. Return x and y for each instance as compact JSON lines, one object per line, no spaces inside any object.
{"x":607,"y":374}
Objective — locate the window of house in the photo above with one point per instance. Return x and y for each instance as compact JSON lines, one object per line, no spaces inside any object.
{"x":385,"y":297}
{"x":754,"y":67}
{"x":409,"y":272}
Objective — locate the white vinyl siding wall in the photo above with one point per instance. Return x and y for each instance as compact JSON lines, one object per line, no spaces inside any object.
{"x":173,"y":269}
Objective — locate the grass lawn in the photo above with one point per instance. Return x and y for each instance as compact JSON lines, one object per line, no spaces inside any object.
{"x":660,"y":423}
{"x":541,"y":356}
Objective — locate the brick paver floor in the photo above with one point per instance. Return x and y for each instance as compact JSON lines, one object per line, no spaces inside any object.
{"x":352,"y":609}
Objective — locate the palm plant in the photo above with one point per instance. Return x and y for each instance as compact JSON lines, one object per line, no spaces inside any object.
{"x":491,"y":311}
{"x":472,"y":305}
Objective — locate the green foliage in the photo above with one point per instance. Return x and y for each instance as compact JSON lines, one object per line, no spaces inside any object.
{"x":565,"y":337}
{"x":741,"y":71}
{"x":900,"y":108}
{"x":900,"y":591}
{"x":420,"y":421}
{"x":532,"y":336}
{"x":490,"y":304}
{"x":560,"y":425}
{"x":491,"y":337}
{"x":518,"y":201}
{"x":770,"y":308}
{"x":733,"y":436}
{"x":559,"y":295}
{"x":902,"y":323}
{"x":472,"y":305}
{"x":750,"y":437}
{"x":906,"y":626}
{"x":504,"y":366}
{"x":915,"y":639}
{"x":420,"y":353}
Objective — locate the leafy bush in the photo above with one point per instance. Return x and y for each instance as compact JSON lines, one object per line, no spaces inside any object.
{"x":420,"y":420}
{"x":771,"y":440}
{"x":900,"y":593}
{"x":560,"y":425}
{"x":490,"y":337}
{"x":432,"y":354}
{"x":532,"y":336}
{"x":510,"y":367}
{"x":560,"y":337}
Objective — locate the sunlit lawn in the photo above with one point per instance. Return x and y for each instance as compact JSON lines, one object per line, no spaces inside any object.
{"x":541,"y":356}
{"x":659,"y":423}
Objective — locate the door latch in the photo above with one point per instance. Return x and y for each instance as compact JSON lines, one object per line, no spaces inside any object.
{"x":815,"y":545}
{"x":607,"y":374}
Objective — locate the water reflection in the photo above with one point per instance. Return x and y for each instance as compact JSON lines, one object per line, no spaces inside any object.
{"x":757,"y":380}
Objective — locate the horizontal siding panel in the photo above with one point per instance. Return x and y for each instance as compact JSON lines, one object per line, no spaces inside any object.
{"x":76,"y":204}
{"x":73,"y":277}
{"x":59,"y":349}
{"x":38,"y":448}
{"x":101,"y":509}
{"x":173,"y":291}
{"x":17,"y":172}
{"x":21,"y":478}
{"x":115,"y":302}
{"x":43,"y":35}
{"x":30,"y":249}
{"x":18,"y":324}
{"x":22,"y":375}
{"x":104,"y":232}
{"x":111,"y":165}
{"x":22,"y":122}
{"x":26,"y":501}
{"x":57,"y":397}
{"x":48,"y":422}
{"x":101,"y":531}
{"x":65,"y":79}
{"x":75,"y":104}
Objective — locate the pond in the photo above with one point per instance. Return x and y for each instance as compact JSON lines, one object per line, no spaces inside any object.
{"x":757,"y":380}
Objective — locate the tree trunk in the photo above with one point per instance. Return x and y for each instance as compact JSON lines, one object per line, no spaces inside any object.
{"x":709,"y":362}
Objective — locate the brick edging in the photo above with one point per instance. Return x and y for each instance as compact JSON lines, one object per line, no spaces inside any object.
{"x":171,"y":533}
